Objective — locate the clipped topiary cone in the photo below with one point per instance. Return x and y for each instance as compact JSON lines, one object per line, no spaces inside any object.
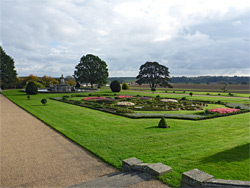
{"x":163,"y":123}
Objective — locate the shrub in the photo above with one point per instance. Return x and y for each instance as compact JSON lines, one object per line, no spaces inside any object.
{"x":124,"y":110}
{"x":208,"y":93}
{"x":237,"y":107}
{"x":191,"y":94}
{"x":166,"y":91}
{"x":77,"y":102}
{"x":183,"y":98}
{"x":157,"y":97}
{"x":206,"y":112}
{"x":28,"y":97}
{"x":125,"y":86}
{"x":173,"y":91}
{"x":153,"y":89}
{"x":115,"y":86}
{"x":43,"y":101}
{"x":163,"y":123}
{"x":218,"y":93}
{"x":31,"y":88}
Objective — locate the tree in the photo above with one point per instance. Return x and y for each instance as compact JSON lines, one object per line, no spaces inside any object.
{"x":31,"y":88}
{"x":20,"y":82}
{"x":31,"y":77}
{"x":224,"y":89}
{"x":154,"y":74}
{"x":47,"y":81}
{"x":115,"y":86}
{"x":7,"y":70}
{"x":91,"y":69}
{"x":125,"y":86}
{"x":70,"y":80}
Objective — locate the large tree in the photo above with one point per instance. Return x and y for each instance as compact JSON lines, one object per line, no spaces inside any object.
{"x":154,"y":74}
{"x":7,"y":70}
{"x":91,"y":69}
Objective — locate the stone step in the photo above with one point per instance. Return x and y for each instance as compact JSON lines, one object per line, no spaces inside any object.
{"x":120,"y":179}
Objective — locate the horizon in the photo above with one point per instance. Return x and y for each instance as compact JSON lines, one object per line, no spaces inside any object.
{"x":135,"y":76}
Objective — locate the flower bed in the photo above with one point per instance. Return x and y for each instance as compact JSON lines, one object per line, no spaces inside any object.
{"x":168,"y":100}
{"x":145,"y":98}
{"x":124,"y":96}
{"x":123,"y":103}
{"x":223,"y":110}
{"x":94,"y":98}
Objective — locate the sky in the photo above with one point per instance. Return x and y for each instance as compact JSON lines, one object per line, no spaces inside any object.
{"x":191,"y":38}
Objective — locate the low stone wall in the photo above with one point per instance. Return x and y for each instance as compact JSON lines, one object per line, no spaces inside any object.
{"x":192,"y":178}
{"x":155,"y":169}
{"x":198,"y":178}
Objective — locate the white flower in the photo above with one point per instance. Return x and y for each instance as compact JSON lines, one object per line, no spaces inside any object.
{"x":169,"y":100}
{"x":125,"y":104}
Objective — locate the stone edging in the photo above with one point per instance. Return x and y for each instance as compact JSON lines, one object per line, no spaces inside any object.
{"x":198,"y":178}
{"x":192,"y":178}
{"x":155,"y":169}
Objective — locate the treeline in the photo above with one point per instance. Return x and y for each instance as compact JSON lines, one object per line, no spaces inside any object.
{"x":41,"y":82}
{"x":212,"y":79}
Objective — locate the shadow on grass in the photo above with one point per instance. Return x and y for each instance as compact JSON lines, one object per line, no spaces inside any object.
{"x":238,"y":153}
{"x":153,"y":127}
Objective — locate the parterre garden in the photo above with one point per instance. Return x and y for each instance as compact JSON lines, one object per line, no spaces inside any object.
{"x":218,"y":146}
{"x":136,"y":106}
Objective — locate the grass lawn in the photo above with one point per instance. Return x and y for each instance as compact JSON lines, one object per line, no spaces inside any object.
{"x":217,"y":146}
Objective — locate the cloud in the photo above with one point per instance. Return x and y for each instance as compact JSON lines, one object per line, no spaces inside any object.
{"x":190,"y":37}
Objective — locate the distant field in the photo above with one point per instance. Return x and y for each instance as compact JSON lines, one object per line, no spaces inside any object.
{"x":198,"y":87}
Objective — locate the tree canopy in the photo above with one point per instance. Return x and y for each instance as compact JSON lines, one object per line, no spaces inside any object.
{"x":154,"y":74}
{"x":48,"y":80}
{"x":7,"y":70}
{"x":91,"y":69}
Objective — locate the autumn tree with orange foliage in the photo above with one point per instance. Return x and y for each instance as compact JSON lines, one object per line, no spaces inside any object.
{"x":48,"y":80}
{"x":20,"y":82}
{"x":70,"y":80}
{"x":31,"y":77}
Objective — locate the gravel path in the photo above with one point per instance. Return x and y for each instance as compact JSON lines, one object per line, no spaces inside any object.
{"x":34,"y":155}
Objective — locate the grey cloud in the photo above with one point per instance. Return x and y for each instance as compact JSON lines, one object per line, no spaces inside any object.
{"x":50,"y":37}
